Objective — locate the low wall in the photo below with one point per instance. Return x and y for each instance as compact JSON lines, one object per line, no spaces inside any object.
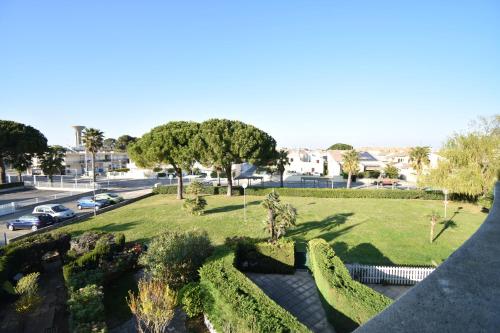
{"x":461,"y":295}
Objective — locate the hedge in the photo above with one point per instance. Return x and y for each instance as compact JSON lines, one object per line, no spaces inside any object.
{"x":10,"y":185}
{"x":213,"y":190}
{"x":21,"y":256}
{"x":348,"y":303}
{"x":348,"y":193}
{"x":234,"y":304}
{"x":265,"y":257}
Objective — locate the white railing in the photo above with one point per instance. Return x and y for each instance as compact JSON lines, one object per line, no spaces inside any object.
{"x":388,"y":274}
{"x":65,"y":186}
{"x":7,"y":208}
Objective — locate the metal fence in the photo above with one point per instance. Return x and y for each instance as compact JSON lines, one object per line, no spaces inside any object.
{"x":388,"y":274}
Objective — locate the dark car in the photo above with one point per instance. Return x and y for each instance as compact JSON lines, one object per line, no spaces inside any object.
{"x":31,"y":221}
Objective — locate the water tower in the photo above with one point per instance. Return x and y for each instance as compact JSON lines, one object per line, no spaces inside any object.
{"x":78,"y":135}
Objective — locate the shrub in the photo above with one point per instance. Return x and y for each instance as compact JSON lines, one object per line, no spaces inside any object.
{"x":348,"y":303}
{"x":26,"y":254}
{"x":157,"y":169}
{"x":154,"y":305}
{"x":211,"y":190}
{"x":86,"y":307}
{"x":279,"y":216}
{"x":349,"y":193}
{"x":176,"y":257}
{"x":191,"y":299}
{"x":233,"y":303}
{"x":265,"y":257}
{"x":195,"y":206}
{"x":27,"y":289}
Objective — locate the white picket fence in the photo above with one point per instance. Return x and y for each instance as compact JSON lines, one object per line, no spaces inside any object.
{"x":388,"y":274}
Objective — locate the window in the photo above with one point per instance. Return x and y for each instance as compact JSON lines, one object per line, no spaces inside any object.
{"x":317,"y":161}
{"x":291,"y":160}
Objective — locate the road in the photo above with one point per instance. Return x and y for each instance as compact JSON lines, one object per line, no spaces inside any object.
{"x":127,"y":193}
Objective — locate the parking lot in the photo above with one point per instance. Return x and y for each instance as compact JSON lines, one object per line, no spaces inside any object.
{"x":70,"y":203}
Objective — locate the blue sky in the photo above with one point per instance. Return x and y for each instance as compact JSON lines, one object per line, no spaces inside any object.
{"x":311,"y":73}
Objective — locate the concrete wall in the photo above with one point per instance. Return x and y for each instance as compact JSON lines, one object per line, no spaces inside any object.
{"x":461,"y":295}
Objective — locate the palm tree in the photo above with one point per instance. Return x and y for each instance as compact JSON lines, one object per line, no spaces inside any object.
{"x":51,"y":162}
{"x":281,"y":162}
{"x":93,"y":139}
{"x":419,"y":156}
{"x":350,"y":164}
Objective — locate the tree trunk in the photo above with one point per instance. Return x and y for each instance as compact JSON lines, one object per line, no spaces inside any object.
{"x":349,"y":180}
{"x":432,"y":232}
{"x":3,"y":176}
{"x":229,"y":181}
{"x":20,"y":173}
{"x":218,"y":177}
{"x":281,"y":179}
{"x":93,"y":166}
{"x":179,"y":184}
{"x":270,"y":216}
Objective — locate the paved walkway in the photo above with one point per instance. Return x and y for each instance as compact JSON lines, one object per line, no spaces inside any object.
{"x":297,"y":294}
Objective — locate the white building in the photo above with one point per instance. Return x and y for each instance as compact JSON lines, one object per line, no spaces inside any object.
{"x":306,"y":162}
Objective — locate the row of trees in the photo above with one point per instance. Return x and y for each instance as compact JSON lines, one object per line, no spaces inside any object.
{"x":19,"y":143}
{"x":216,"y":142}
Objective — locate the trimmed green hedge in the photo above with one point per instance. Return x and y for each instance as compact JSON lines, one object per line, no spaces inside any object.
{"x":265,"y":257}
{"x":348,"y":193}
{"x":348,"y":303}
{"x":234,"y":304}
{"x":213,"y":190}
{"x":21,"y":256}
{"x":10,"y":185}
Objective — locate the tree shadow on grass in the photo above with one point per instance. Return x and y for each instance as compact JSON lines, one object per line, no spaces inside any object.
{"x":230,"y":208}
{"x":327,"y":224}
{"x":364,"y":253}
{"x":448,"y":224}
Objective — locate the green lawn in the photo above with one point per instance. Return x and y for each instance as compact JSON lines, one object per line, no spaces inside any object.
{"x":372,"y":231}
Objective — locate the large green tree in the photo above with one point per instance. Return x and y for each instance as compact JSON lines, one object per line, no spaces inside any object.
{"x":52,"y":161}
{"x":93,"y":139}
{"x":17,"y":139}
{"x":223,"y":142}
{"x":340,"y":146}
{"x":173,"y":143}
{"x":419,"y":157}
{"x":124,"y":141}
{"x":350,"y":164}
{"x":470,"y":161}
{"x":109,"y":144}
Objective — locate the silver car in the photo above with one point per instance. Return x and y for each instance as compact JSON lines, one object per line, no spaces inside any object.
{"x":57,"y":211}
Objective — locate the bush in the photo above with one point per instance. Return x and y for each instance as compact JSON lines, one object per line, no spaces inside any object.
{"x":347,"y":303}
{"x":349,"y":193}
{"x":265,"y":257}
{"x":11,"y":185}
{"x":157,"y":169}
{"x":87,"y":308}
{"x":121,"y":170}
{"x":233,"y":303}
{"x":195,"y":206}
{"x":191,"y":299}
{"x":211,"y":190}
{"x":175,"y":257}
{"x":26,"y":254}
{"x":372,"y":174}
{"x":27,"y":289}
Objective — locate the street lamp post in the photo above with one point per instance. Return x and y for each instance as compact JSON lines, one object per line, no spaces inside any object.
{"x":445,"y":191}
{"x":244,"y":202}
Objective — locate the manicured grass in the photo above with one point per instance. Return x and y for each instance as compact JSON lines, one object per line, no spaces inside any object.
{"x":372,"y":231}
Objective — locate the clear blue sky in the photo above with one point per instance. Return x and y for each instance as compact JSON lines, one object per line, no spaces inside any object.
{"x":311,"y":73}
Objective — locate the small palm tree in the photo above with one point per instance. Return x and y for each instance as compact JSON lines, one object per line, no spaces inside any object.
{"x":419,"y":157}
{"x":350,"y":164}
{"x":281,"y":162}
{"x":93,"y":139}
{"x":52,"y":161}
{"x":433,"y":218}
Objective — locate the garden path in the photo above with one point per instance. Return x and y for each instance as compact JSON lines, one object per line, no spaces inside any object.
{"x":297,"y":294}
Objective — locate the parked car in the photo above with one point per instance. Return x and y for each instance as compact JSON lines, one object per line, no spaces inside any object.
{"x":90,"y":202}
{"x":30,"y":221}
{"x":57,"y":211}
{"x":111,"y":197}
